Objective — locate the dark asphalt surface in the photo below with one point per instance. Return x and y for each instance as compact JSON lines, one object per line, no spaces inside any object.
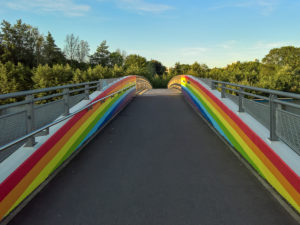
{"x":157,"y":163}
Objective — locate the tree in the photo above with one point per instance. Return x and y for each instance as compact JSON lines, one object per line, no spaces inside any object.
{"x":135,"y":61}
{"x":20,"y":43}
{"x":46,"y":76}
{"x":38,"y":48}
{"x":284,"y":56}
{"x":179,"y":69}
{"x":198,"y":70}
{"x":1,"y":49}
{"x":118,"y":71}
{"x":71,"y":46}
{"x":156,"y":67}
{"x":116,"y":58}
{"x":14,"y":78}
{"x":51,"y":53}
{"x":83,"y":51}
{"x":101,"y":56}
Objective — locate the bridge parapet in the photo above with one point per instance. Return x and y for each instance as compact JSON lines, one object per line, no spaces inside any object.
{"x":175,"y":82}
{"x":22,"y":172}
{"x":266,"y":135}
{"x":31,"y":110}
{"x":142,"y":84}
{"x":275,"y":110}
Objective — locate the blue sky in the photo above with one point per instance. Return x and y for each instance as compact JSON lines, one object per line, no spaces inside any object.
{"x":216,"y":32}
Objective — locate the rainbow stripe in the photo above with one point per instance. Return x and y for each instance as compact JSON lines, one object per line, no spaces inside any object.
{"x":258,"y":153}
{"x":65,"y":141}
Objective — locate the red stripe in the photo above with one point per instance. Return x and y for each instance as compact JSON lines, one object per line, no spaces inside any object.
{"x":16,"y":176}
{"x":290,"y":175}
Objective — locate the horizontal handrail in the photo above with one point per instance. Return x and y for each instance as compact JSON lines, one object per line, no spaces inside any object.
{"x":268,"y":91}
{"x":88,"y":106}
{"x":272,"y":98}
{"x":246,"y":93}
{"x":31,"y":92}
{"x":37,"y":91}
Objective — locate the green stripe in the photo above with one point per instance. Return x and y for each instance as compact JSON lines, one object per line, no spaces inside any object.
{"x":86,"y":131}
{"x":224,"y":129}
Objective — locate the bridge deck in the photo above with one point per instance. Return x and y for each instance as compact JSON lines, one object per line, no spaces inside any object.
{"x":156,"y":163}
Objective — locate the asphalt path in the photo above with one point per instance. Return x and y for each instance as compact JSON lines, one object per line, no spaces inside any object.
{"x":156,"y":163}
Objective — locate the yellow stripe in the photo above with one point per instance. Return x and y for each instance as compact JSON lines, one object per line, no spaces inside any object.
{"x":50,"y":166}
{"x":269,"y":176}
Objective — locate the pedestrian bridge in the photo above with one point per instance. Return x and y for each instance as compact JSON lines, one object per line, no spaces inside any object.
{"x":199,"y":152}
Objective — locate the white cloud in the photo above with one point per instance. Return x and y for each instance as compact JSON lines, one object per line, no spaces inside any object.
{"x":195,"y":51}
{"x":270,"y":45}
{"x":228,"y":44}
{"x":265,"y":7}
{"x":143,"y":6}
{"x":66,"y":7}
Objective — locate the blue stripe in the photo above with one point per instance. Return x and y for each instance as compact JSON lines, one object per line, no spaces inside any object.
{"x":205,"y":112}
{"x":107,"y":115}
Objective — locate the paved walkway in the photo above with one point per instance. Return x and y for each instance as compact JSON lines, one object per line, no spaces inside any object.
{"x":157,"y":163}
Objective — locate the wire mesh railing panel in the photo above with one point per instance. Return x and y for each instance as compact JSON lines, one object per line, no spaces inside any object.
{"x":5,"y":154}
{"x":292,"y":109}
{"x":73,"y":100}
{"x":233,"y":98}
{"x":47,"y":113}
{"x":105,"y":82}
{"x":206,"y":81}
{"x":259,"y":111}
{"x":13,"y":126}
{"x":288,"y":129}
{"x":22,"y":117}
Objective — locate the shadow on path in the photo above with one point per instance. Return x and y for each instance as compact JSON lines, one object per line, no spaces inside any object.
{"x":157,"y":163}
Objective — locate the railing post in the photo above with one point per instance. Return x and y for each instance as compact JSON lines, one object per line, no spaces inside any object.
{"x":223,"y":91}
{"x":273,"y":136}
{"x":213,"y":85}
{"x":66,"y":98}
{"x":104,"y":83}
{"x":99,"y":85}
{"x":86,"y":92}
{"x":241,"y":97}
{"x":30,"y":120}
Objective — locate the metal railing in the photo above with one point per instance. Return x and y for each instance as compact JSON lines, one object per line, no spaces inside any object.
{"x":38,"y":108}
{"x":142,"y":84}
{"x":31,"y":117}
{"x":175,"y":82}
{"x":281,"y":123}
{"x":34,"y":132}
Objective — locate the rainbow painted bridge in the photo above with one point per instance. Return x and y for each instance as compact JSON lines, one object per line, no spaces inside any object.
{"x":199,"y":152}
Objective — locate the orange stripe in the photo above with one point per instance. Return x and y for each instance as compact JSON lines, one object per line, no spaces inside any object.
{"x":13,"y":196}
{"x":290,"y":189}
{"x":27,"y":180}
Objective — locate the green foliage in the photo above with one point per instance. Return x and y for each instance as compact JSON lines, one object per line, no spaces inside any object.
{"x":198,"y":70}
{"x":118,"y":71}
{"x":115,"y":58}
{"x":14,"y":78}
{"x":156,"y":67}
{"x":179,"y":69}
{"x":135,"y":61}
{"x":30,"y":60}
{"x":51,"y":53}
{"x":101,"y":56}
{"x":285,"y":56}
{"x":20,"y":43}
{"x":46,"y":76}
